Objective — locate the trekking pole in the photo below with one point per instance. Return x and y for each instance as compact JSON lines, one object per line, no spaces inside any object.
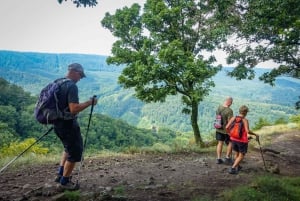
{"x":2,"y":169}
{"x":86,"y":135}
{"x":262,"y":154}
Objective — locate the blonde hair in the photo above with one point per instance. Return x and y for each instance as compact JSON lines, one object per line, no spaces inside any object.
{"x":244,"y":110}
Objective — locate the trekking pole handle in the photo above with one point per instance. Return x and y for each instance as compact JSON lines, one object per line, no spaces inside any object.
{"x":93,"y":99}
{"x":257,"y":138}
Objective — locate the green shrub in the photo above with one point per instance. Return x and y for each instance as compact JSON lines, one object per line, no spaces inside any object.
{"x":280,"y":121}
{"x":15,"y":148}
{"x":295,"y":119}
{"x":261,"y":123}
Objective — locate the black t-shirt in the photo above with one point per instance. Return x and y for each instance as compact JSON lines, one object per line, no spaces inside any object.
{"x":68,"y":93}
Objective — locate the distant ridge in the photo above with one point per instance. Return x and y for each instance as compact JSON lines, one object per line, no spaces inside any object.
{"x":53,"y":62}
{"x":32,"y":71}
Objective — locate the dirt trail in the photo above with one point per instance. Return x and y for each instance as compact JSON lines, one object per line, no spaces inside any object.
{"x":179,"y":177}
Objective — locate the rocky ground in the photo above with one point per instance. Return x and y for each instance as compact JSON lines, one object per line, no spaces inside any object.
{"x":180,"y":177}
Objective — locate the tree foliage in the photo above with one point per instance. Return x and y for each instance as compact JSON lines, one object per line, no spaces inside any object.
{"x":17,"y":124}
{"x":6,"y":135}
{"x":85,"y":3}
{"x":17,"y":147}
{"x":267,"y":30}
{"x":162,"y":48}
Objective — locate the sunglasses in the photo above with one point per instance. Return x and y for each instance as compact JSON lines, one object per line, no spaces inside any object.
{"x":80,"y":73}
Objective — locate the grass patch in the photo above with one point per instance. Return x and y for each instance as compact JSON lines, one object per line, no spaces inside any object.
{"x":160,"y":148}
{"x":28,"y":160}
{"x":119,"y":190}
{"x":267,"y":133}
{"x":267,"y":188}
{"x":71,"y":196}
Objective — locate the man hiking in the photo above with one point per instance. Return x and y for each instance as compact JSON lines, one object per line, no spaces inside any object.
{"x":221,"y":134}
{"x":68,"y":131}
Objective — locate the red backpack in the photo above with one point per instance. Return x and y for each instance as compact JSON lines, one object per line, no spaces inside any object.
{"x":237,"y":128}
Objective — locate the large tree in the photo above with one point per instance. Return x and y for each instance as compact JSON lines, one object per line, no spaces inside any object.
{"x":267,"y":30}
{"x":162,"y":51}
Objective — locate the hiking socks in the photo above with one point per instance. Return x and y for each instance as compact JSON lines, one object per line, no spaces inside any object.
{"x":64,"y":180}
{"x":61,"y":170}
{"x":59,"y":174}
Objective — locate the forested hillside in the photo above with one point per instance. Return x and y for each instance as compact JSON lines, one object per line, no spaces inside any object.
{"x":18,"y":123}
{"x":33,"y":70}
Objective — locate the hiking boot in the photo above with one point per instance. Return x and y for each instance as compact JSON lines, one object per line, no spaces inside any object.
{"x":70,"y":186}
{"x":219,"y":161}
{"x":232,"y":171}
{"x":57,"y":178}
{"x":239,"y":168}
{"x":228,"y":161}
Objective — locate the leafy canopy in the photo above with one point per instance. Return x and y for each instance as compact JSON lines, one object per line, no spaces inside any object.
{"x":85,"y":3}
{"x":267,"y":30}
{"x":162,"y":48}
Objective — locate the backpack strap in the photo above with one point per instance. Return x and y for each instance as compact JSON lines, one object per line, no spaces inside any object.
{"x":237,"y":116}
{"x":61,"y":81}
{"x":220,"y":112}
{"x":66,"y":115}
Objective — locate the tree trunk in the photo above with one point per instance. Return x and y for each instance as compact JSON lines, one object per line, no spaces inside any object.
{"x":194,"y":121}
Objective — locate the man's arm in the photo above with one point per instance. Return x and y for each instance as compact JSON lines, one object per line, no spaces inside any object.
{"x":75,"y":108}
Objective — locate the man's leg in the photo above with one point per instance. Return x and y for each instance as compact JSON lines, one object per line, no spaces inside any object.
{"x":68,"y":168}
{"x":219,"y":152}
{"x":63,"y":158}
{"x":229,"y":150}
{"x":219,"y":149}
{"x":61,"y":166}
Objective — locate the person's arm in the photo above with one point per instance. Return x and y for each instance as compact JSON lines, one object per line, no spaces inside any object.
{"x":246,"y":123}
{"x":256,"y":135}
{"x":73,"y":101}
{"x":229,"y":123}
{"x":75,"y":108}
{"x":252,"y":133}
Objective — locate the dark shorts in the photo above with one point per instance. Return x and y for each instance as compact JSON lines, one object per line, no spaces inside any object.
{"x":241,"y":147}
{"x":222,"y":137}
{"x":70,"y":136}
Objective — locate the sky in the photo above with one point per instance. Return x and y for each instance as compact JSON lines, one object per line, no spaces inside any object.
{"x":50,"y":27}
{"x":47,"y":26}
